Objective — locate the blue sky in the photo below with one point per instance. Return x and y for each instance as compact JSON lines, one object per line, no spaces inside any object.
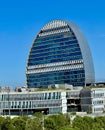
{"x":21,"y":20}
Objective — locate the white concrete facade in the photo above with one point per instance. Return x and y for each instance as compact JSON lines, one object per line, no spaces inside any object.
{"x":98,"y":100}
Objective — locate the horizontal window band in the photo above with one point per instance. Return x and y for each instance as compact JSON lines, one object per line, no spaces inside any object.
{"x":56,"y":64}
{"x":68,"y":67}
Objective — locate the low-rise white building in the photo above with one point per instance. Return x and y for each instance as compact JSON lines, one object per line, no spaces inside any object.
{"x":16,"y":103}
{"x":51,"y":102}
{"x":93,"y":99}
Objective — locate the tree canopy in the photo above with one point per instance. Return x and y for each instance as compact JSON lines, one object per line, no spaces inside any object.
{"x":52,"y":122}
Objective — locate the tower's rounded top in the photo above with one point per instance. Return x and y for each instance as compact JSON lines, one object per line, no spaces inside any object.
{"x":55,"y":24}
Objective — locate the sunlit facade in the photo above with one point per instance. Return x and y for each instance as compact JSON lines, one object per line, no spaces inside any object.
{"x":93,"y":100}
{"x":50,"y":102}
{"x":59,"y":55}
{"x":53,"y":101}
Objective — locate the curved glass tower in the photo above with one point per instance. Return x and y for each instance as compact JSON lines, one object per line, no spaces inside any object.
{"x":59,"y":55}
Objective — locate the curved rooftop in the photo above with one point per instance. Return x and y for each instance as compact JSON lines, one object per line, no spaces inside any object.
{"x":55,"y":28}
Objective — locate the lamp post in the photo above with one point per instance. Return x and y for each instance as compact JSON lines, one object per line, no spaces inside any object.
{"x":27,"y":124}
{"x":42,"y":120}
{"x":8,"y":90}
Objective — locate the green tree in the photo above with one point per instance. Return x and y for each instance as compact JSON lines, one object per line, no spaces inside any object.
{"x":35,"y":122}
{"x":6,"y":124}
{"x":99,"y":123}
{"x":79,"y":123}
{"x":68,"y":128}
{"x":57,"y":122}
{"x":1,"y":122}
{"x":88,"y":122}
{"x":50,"y":124}
{"x":96,"y":126}
{"x":19,"y":123}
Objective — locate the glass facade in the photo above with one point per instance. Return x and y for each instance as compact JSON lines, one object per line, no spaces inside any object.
{"x":55,"y":57}
{"x":30,"y":102}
